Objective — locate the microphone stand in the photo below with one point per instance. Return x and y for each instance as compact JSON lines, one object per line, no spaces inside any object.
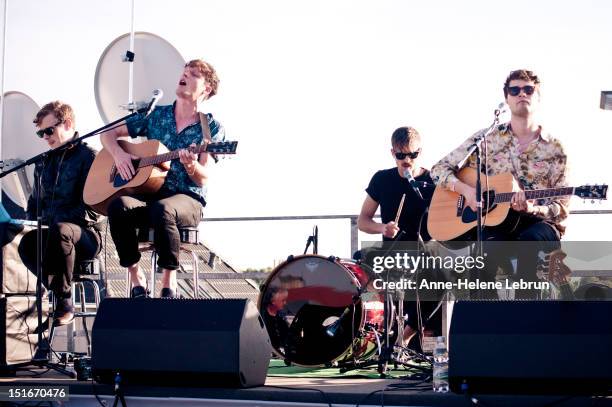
{"x":43,"y":353}
{"x":420,"y":243}
{"x":476,"y":148}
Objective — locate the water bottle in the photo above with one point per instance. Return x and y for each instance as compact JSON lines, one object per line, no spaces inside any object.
{"x":440,"y":366}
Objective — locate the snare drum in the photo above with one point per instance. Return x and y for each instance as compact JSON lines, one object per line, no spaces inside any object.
{"x":318,"y":312}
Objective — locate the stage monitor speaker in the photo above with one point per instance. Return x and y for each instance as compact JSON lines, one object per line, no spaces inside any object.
{"x":18,"y":329}
{"x":219,"y":343}
{"x":531,"y":347}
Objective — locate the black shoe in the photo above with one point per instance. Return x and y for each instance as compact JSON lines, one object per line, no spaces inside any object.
{"x":64,"y":312}
{"x":168,"y":293}
{"x":139,"y":291}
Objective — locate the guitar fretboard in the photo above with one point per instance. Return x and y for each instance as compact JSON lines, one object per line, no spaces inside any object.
{"x":172,"y":155}
{"x":536,"y":194}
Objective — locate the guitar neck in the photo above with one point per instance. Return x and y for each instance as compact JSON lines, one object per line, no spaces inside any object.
{"x":536,"y":194}
{"x":172,"y":155}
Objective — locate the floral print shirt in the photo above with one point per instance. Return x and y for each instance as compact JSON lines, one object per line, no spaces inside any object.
{"x":543,"y":164}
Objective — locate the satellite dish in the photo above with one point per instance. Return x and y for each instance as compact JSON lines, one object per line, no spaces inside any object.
{"x":18,"y":144}
{"x":157,"y":65}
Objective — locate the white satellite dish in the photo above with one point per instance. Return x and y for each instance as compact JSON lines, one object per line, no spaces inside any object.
{"x":19,"y":142}
{"x":157,"y":65}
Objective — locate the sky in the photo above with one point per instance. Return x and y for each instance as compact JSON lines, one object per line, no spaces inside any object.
{"x":312,"y":90}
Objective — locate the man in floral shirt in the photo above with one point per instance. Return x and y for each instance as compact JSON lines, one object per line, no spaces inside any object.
{"x":535,"y":159}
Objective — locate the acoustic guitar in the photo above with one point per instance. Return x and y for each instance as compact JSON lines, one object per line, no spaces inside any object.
{"x":451,"y":219}
{"x":104,"y":183}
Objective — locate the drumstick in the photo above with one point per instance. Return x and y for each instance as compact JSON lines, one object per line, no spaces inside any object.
{"x":399,"y":210}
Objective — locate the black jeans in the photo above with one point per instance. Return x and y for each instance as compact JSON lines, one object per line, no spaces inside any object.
{"x":531,"y":236}
{"x":126,"y":215}
{"x":64,"y":244}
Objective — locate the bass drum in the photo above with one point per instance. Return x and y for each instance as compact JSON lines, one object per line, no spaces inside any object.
{"x":319,"y":312}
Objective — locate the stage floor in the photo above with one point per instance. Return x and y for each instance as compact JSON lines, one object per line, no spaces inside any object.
{"x":284,"y":391}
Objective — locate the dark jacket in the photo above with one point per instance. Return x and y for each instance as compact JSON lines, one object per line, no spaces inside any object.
{"x":61,"y":192}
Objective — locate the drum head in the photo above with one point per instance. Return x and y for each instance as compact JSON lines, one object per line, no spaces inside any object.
{"x":302,"y":298}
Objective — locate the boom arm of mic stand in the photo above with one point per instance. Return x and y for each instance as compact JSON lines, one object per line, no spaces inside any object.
{"x":45,"y":154}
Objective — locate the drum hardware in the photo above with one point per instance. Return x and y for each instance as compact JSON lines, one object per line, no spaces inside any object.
{"x":314,"y":240}
{"x":395,"y":353}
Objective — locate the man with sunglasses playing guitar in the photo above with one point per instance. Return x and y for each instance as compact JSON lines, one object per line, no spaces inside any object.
{"x":536,"y":161}
{"x":180,"y":200}
{"x":74,"y":231}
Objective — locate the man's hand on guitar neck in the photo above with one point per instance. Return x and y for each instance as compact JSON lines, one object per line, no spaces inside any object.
{"x":189,"y":159}
{"x":520,"y":203}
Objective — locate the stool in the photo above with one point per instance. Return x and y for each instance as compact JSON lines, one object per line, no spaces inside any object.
{"x":86,"y":272}
{"x":188,"y":235}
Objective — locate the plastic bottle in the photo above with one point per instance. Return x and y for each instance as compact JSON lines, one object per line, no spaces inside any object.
{"x":440,"y":366}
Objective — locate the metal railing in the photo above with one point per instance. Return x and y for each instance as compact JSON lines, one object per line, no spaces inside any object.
{"x":354,"y":231}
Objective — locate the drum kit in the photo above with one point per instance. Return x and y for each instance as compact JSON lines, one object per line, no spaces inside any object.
{"x":324,"y":312}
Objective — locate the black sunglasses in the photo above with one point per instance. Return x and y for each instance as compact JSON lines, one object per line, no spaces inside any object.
{"x":516,"y":90}
{"x":402,"y":156}
{"x":48,"y":131}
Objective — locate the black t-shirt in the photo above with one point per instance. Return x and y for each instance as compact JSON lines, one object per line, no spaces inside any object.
{"x":387,"y":187}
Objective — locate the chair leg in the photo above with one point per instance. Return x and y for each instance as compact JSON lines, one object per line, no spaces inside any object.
{"x":196,"y":274}
{"x":96,"y":289}
{"x":153,"y":270}
{"x":71,"y":327}
{"x":51,"y":319}
{"x":128,"y":285}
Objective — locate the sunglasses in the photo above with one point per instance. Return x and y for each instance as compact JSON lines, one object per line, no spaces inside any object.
{"x":516,"y":90}
{"x":48,"y":131}
{"x":402,"y":156}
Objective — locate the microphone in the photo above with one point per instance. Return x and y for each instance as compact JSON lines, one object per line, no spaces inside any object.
{"x":157,"y":95}
{"x":413,"y":184}
{"x":332,"y":329}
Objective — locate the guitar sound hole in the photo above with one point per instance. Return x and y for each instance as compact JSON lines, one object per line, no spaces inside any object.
{"x":469,"y":215}
{"x":118,"y":181}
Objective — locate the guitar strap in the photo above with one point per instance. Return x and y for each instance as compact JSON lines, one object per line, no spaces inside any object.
{"x":206,"y":132}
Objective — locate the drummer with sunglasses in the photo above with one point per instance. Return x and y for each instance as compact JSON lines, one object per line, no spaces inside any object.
{"x":387,"y":187}
{"x":535,"y":159}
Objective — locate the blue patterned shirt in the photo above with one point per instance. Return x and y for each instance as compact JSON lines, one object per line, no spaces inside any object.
{"x":160,"y":125}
